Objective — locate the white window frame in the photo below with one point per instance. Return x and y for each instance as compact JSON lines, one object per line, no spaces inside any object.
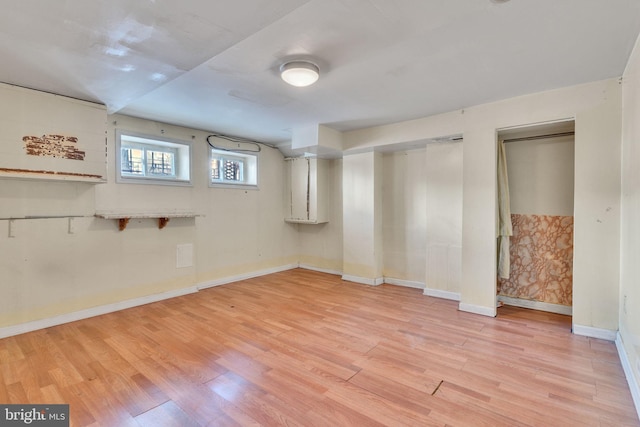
{"x":248,"y":167}
{"x":181,"y":151}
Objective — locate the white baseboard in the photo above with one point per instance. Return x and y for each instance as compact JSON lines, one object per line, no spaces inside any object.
{"x":634,"y":387}
{"x":437,"y":293}
{"x":321,"y":270}
{"x":34,"y":325}
{"x":536,"y":305}
{"x":244,"y":276}
{"x":364,"y":280}
{"x":591,"y":332}
{"x":478,"y":309}
{"x":405,"y":283}
{"x":22,"y":328}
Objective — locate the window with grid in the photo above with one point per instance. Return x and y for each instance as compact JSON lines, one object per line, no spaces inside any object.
{"x":145,"y":159}
{"x":232,"y":168}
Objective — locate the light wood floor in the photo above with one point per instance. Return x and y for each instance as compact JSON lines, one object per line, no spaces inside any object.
{"x":305,"y":348}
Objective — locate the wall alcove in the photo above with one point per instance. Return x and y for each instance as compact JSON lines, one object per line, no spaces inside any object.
{"x":540,"y":169}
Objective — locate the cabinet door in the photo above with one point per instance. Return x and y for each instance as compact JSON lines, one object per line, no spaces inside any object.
{"x":299,"y":175}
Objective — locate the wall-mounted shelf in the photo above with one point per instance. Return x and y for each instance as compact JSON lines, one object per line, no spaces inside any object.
{"x":50,"y":176}
{"x":303,"y":221}
{"x":162,"y":217}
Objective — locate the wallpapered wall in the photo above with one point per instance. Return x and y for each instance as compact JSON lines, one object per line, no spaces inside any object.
{"x":541,"y":259}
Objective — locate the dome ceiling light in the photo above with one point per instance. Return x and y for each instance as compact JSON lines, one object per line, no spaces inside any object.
{"x":299,"y":73}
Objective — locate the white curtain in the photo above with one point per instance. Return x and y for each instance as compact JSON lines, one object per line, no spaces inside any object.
{"x":505,"y":228}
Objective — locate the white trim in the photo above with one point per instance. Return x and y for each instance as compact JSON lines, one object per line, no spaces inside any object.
{"x":364,"y":280}
{"x":244,"y":276}
{"x":548,"y":122}
{"x":591,"y":332}
{"x":628,"y":373}
{"x":34,"y":325}
{"x":405,"y":283}
{"x":321,"y":270}
{"x":478,"y":309}
{"x":437,"y":293}
{"x":22,"y":328}
{"x":536,"y":305}
{"x":182,"y":155}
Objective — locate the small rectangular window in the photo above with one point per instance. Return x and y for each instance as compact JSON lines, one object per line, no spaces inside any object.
{"x":161,"y":163}
{"x":148,"y":159}
{"x":233,"y":168}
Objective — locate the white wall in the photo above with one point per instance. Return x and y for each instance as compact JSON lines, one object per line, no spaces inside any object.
{"x":596,"y":108}
{"x":362,"y":217}
{"x":59,"y":265}
{"x":320,"y":245}
{"x":596,"y":261}
{"x":541,"y":176}
{"x":404,"y":215}
{"x":422,"y":217}
{"x":630,"y":228}
{"x":444,"y":219}
{"x":237,"y":230}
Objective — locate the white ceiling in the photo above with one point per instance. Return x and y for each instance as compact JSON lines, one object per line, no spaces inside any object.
{"x":213,"y":65}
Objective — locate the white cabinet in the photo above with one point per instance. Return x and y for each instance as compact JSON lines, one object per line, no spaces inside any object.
{"x":306,"y":194}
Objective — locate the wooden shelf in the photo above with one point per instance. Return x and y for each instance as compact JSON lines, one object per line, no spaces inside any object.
{"x":162,"y":217}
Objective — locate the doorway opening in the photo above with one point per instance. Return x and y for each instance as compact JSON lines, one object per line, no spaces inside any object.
{"x":540,"y":175}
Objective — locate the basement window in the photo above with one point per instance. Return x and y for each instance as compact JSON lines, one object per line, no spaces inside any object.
{"x":145,"y":159}
{"x":230,"y":168}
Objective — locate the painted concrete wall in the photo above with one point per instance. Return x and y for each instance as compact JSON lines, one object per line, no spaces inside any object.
{"x":596,"y":108}
{"x":630,"y":227}
{"x":320,"y":245}
{"x":237,"y":230}
{"x":58,"y":265}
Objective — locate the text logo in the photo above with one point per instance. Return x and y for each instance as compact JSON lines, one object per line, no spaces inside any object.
{"x":34,"y":415}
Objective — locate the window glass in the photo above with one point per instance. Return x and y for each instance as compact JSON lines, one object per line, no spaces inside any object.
{"x":147,"y":159}
{"x":231,"y":168}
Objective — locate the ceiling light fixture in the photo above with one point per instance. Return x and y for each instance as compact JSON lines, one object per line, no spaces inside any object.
{"x":299,"y":73}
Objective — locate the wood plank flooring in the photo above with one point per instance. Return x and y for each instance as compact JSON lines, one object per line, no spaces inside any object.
{"x":301,"y":348}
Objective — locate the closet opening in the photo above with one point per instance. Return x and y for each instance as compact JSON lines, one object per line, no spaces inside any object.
{"x":537,"y":169}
